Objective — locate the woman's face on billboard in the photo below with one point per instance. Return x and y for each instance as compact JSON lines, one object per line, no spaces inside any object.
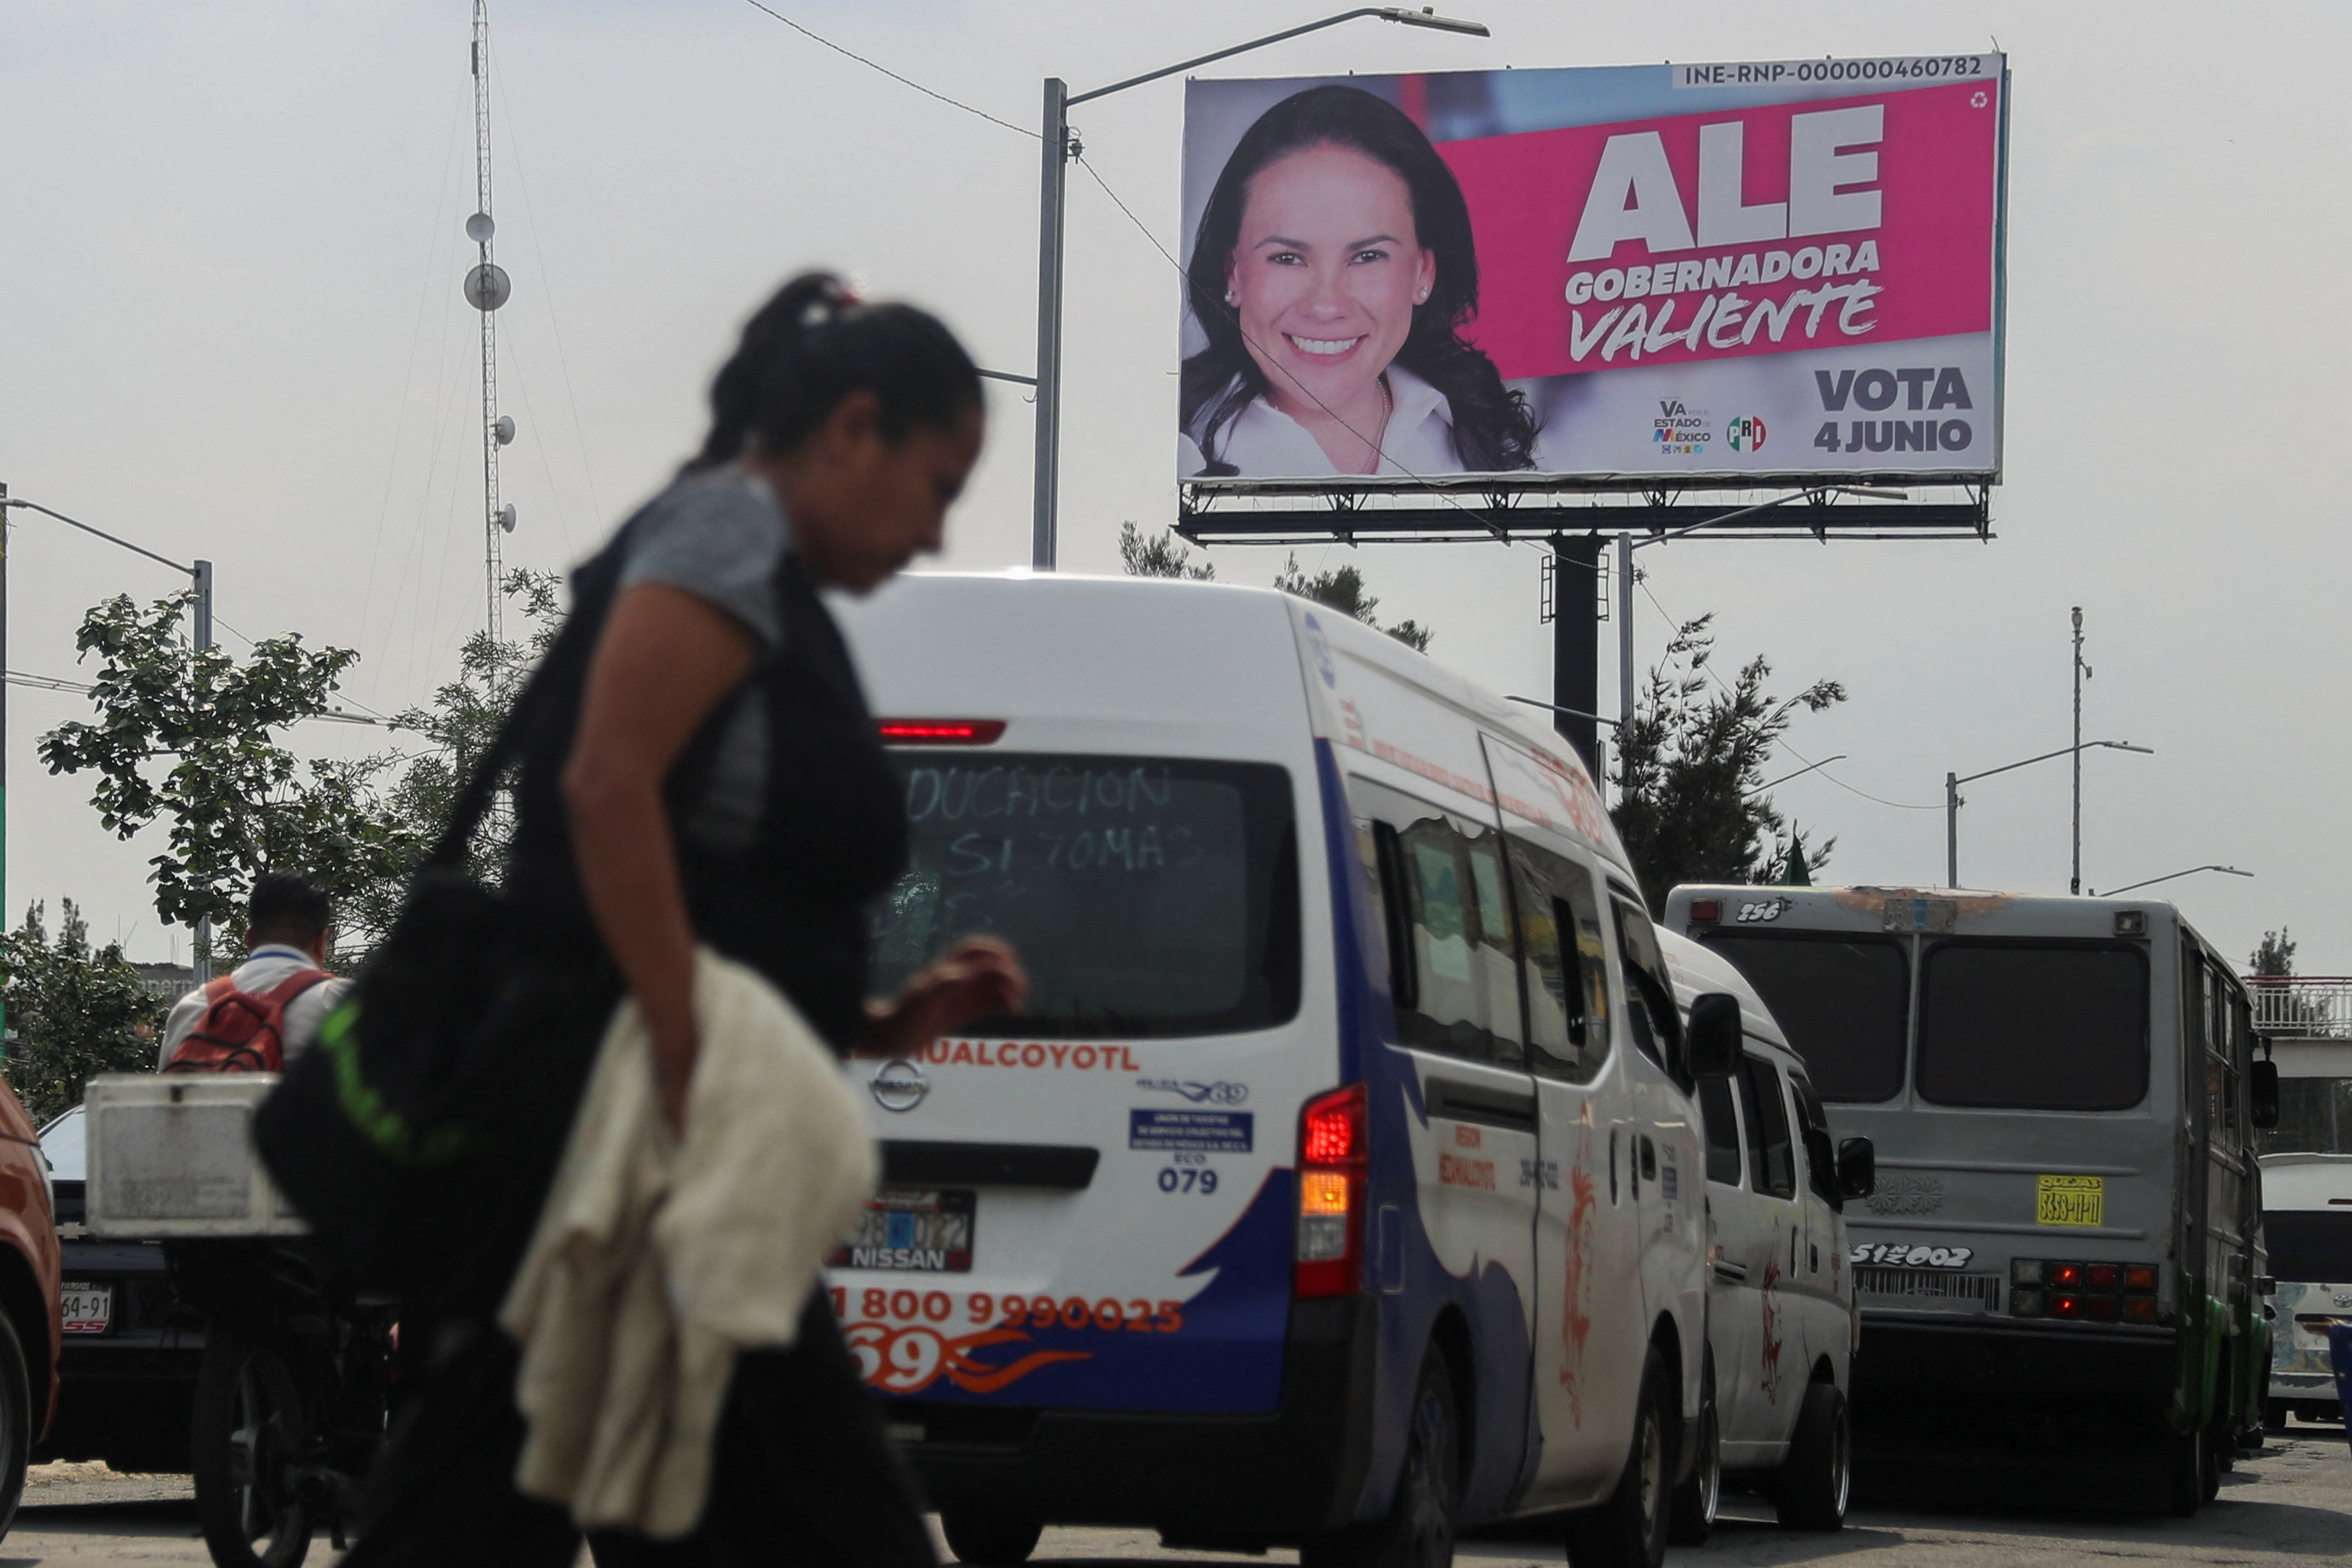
{"x":1325,"y":278}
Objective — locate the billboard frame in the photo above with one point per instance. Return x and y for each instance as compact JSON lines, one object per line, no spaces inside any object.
{"x":1197,"y":495}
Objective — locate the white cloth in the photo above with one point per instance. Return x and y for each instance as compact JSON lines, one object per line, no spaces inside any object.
{"x":270,"y":964}
{"x":655,"y":1259}
{"x":1264,"y":443}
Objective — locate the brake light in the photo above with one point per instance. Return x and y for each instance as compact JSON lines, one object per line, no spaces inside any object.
{"x":1705,"y":910}
{"x":2101,"y":1276}
{"x":1331,"y":1162}
{"x":940,"y":731}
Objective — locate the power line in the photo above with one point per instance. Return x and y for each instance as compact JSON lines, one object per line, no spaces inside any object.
{"x":903,"y":81}
{"x":1783,"y":745}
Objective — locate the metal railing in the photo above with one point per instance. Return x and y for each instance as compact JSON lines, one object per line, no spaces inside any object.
{"x":2309,"y":1007}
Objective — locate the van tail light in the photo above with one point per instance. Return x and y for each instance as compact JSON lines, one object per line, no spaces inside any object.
{"x":1331,"y":1163}
{"x":940,"y":731}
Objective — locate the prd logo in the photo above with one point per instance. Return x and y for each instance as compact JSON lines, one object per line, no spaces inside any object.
{"x":1745,"y":435}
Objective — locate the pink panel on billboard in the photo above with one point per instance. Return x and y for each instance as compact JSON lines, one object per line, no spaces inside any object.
{"x":1923,"y":270}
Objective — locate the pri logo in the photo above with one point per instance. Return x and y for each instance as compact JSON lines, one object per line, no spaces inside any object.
{"x":1745,"y":435}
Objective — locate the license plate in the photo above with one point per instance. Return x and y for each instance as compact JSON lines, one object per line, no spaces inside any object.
{"x":912,"y":1229}
{"x":87,"y":1308}
{"x":2070,"y":1200}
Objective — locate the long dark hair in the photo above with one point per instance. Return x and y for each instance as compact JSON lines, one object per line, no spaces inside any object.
{"x":1493,"y":432}
{"x":813,"y":344}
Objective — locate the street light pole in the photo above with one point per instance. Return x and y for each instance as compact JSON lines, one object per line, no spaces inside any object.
{"x":2151,"y":881}
{"x":1059,"y":148}
{"x":1952,"y":783}
{"x":200,"y":576}
{"x":2075,"y":879}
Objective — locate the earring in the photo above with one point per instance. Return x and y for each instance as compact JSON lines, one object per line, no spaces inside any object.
{"x":1229,"y":297}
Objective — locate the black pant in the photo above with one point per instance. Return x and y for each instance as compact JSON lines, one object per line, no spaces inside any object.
{"x":801,"y":1472}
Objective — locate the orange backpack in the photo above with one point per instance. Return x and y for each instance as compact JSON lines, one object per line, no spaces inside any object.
{"x":241,"y":1032}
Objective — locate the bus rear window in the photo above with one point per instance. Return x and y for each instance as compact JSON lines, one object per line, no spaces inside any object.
{"x":1146,"y":897}
{"x":2036,"y":1027}
{"x":1841,"y":1003}
{"x":2309,"y":1247}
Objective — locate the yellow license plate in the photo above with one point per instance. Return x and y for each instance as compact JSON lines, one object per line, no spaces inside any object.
{"x":2070,"y":1200}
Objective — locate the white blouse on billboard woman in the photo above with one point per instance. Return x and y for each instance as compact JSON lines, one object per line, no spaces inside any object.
{"x":1264,"y":443}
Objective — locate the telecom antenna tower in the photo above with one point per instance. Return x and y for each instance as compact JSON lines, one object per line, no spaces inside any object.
{"x":487,"y":287}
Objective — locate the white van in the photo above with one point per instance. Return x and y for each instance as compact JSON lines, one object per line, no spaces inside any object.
{"x":2308,"y":1225}
{"x":1343,"y":1186}
{"x":1782,"y":1319}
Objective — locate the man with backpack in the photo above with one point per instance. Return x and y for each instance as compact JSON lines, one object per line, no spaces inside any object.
{"x":265,"y":1013}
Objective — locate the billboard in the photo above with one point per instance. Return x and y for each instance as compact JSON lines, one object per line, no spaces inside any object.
{"x":1742,"y":273}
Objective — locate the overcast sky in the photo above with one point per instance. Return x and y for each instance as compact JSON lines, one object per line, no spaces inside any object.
{"x":233,"y":329}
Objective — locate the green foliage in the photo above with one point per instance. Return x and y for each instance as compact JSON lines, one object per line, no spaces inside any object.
{"x":1343,"y":590}
{"x":2274,"y":956}
{"x":186,"y":737}
{"x":1160,"y":557}
{"x":458,"y":727}
{"x":73,"y":1013}
{"x":1690,"y":767}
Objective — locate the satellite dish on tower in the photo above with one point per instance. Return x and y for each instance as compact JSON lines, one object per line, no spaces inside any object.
{"x":480,"y":229}
{"x":507,"y":518}
{"x":488,"y":286}
{"x":505,"y":430}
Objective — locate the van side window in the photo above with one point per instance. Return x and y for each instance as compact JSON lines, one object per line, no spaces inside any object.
{"x":1376,"y":844}
{"x":1565,"y":968}
{"x":1821,"y":1152}
{"x":1722,"y":1161}
{"x":1771,"y":1162}
{"x":1452,"y":958}
{"x":1649,"y":1014}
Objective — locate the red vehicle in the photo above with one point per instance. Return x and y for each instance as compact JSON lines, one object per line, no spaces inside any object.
{"x":29,"y":1323}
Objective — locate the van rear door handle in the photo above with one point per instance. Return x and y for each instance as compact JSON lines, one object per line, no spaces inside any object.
{"x":1512,"y":1109}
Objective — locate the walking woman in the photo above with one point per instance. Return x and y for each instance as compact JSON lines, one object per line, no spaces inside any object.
{"x":698,"y":767}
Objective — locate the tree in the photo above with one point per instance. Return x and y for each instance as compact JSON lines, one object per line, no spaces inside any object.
{"x":2273,"y":957}
{"x":1690,"y":770}
{"x":1160,"y":557}
{"x":186,"y":735}
{"x":73,"y":1014}
{"x":1343,"y":590}
{"x":457,"y":726}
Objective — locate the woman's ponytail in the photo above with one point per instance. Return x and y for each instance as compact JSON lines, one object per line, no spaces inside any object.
{"x":813,"y":344}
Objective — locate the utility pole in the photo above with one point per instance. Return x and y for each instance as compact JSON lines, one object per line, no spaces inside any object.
{"x":1052,"y":191}
{"x":2074,"y":880}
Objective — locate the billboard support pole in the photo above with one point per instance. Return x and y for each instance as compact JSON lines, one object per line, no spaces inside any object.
{"x":1042,"y":544}
{"x":1576,"y":648}
{"x":1625,"y":641}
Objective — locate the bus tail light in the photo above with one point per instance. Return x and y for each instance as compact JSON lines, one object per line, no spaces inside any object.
{"x":1331,"y":1163}
{"x":2092,"y":1292}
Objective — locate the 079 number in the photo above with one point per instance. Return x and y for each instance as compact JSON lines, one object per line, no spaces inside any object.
{"x":1187,"y":1178}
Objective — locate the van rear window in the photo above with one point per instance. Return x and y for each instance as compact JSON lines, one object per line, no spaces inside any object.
{"x":1842,"y":1002}
{"x":2309,"y":1247}
{"x":2037,"y":1028}
{"x":1146,"y":896}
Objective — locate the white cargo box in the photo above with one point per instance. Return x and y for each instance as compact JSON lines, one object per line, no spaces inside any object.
{"x":172,"y":1154}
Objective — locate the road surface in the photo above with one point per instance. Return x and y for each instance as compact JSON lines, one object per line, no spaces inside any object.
{"x":2291,"y":1504}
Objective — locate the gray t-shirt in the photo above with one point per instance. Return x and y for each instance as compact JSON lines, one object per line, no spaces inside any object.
{"x":720,"y":534}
